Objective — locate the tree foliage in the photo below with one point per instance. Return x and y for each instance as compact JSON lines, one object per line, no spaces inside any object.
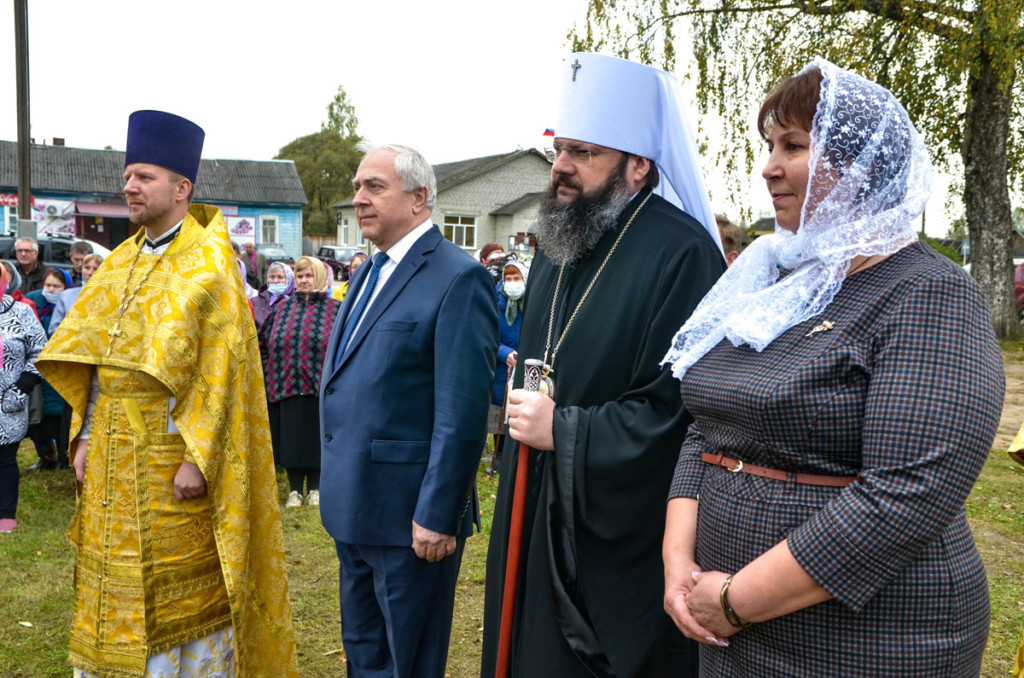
{"x":326,"y":162}
{"x":951,"y":63}
{"x":341,"y":115}
{"x":950,"y":253}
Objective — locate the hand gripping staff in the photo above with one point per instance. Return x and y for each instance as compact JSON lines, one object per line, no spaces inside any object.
{"x":532,"y":378}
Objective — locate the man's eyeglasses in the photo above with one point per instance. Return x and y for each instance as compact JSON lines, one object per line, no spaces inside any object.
{"x":24,"y":251}
{"x":577,"y":155}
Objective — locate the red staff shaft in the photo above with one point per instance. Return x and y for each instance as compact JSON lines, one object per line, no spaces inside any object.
{"x":531,"y":382}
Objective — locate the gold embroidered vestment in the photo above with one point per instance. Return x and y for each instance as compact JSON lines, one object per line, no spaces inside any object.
{"x":152,"y":572}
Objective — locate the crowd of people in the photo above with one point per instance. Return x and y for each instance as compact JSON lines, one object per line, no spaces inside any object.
{"x":31,"y":406}
{"x":713,"y":461}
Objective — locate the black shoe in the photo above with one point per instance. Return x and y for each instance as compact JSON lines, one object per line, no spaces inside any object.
{"x":43,"y":465}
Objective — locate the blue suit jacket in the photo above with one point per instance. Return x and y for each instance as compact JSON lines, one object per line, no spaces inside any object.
{"x":403,"y":419}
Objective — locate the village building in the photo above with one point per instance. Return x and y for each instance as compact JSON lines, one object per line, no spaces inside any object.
{"x":490,"y":199}
{"x":77,"y":192}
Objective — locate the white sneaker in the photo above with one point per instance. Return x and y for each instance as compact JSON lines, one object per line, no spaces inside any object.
{"x":294,"y":500}
{"x":314,"y":498}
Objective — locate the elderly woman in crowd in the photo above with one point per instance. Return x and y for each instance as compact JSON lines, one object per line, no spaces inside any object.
{"x":846,"y":387}
{"x":21,"y":340}
{"x":46,"y":435}
{"x":511,"y":290}
{"x":293,"y":342}
{"x":279,"y":286}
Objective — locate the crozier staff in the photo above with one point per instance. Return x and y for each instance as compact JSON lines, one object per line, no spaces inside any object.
{"x":627,"y":246}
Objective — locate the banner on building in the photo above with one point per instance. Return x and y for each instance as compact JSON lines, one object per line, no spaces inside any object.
{"x":241,"y":229}
{"x":10,"y":199}
{"x":54,"y":217}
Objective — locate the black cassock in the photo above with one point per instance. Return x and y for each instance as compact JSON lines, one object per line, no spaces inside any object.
{"x":591,"y":578}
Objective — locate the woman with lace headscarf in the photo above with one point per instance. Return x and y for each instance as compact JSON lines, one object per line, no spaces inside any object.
{"x":846,"y":387}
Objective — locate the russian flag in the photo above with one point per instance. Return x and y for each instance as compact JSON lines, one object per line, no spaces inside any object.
{"x":549,"y":132}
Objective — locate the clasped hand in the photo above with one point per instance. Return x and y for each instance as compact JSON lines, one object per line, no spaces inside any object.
{"x":692,"y":600}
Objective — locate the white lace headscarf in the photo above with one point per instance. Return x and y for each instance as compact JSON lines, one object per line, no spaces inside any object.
{"x":870,"y":177}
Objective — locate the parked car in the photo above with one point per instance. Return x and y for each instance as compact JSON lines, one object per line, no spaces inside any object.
{"x":274,"y":252}
{"x":53,"y":252}
{"x":337,"y":257}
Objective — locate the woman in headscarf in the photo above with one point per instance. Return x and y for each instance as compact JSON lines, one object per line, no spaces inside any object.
{"x":293,"y":343}
{"x":279,"y":286}
{"x":55,"y":282}
{"x":21,"y":340}
{"x":846,"y":387}
{"x":46,"y":435}
{"x":511,"y":290}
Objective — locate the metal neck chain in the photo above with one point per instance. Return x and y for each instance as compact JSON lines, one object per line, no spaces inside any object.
{"x":550,"y":366}
{"x":126,"y":298}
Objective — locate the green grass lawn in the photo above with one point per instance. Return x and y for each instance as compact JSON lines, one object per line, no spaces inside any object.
{"x":36,"y":571}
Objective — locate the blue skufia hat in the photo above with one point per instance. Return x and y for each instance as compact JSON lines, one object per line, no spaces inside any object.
{"x":165,"y":139}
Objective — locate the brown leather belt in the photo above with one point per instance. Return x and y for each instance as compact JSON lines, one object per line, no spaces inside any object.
{"x":735,"y":465}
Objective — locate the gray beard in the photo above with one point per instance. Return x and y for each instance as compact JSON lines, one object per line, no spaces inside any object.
{"x":567,"y":232}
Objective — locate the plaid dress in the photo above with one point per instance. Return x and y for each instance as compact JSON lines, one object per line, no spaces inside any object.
{"x":905,"y":390}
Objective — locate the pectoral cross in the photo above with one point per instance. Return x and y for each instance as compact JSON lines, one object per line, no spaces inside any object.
{"x":575,"y":67}
{"x":114,"y":333}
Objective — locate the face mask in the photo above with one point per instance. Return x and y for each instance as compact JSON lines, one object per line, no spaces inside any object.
{"x":277,"y":289}
{"x":51,"y":297}
{"x":514,"y":290}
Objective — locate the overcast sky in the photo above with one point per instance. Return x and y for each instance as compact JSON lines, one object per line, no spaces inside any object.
{"x":452,"y":78}
{"x":456,"y":79}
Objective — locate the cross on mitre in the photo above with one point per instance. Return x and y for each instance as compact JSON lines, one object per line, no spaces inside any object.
{"x":575,"y":67}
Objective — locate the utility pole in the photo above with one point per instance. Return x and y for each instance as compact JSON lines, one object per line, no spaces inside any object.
{"x":26,"y":227}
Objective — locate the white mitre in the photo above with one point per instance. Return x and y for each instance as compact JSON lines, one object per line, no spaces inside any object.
{"x":636,"y":109}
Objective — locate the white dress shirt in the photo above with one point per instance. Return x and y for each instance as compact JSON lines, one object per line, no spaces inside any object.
{"x":395,"y":255}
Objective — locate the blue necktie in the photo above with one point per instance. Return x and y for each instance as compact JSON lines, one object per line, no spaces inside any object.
{"x":364,"y":301}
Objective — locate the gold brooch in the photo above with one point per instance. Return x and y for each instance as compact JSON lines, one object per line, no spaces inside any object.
{"x":825,"y":326}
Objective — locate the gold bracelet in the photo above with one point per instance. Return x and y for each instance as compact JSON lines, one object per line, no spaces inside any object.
{"x":730,"y":614}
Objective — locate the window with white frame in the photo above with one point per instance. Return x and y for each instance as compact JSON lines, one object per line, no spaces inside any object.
{"x":360,"y":238}
{"x":461,"y":230}
{"x":12,"y":219}
{"x":268,"y":228}
{"x":344,"y":230}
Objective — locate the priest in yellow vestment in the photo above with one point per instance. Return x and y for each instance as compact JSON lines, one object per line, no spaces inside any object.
{"x":179,"y":548}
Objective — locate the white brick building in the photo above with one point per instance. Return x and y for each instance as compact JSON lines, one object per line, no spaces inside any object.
{"x":479,"y":200}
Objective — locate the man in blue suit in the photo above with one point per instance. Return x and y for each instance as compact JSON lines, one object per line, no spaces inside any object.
{"x":404,"y":400}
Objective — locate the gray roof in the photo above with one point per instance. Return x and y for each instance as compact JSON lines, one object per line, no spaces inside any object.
{"x":451,"y":174}
{"x":518,"y":204}
{"x":86,"y":170}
